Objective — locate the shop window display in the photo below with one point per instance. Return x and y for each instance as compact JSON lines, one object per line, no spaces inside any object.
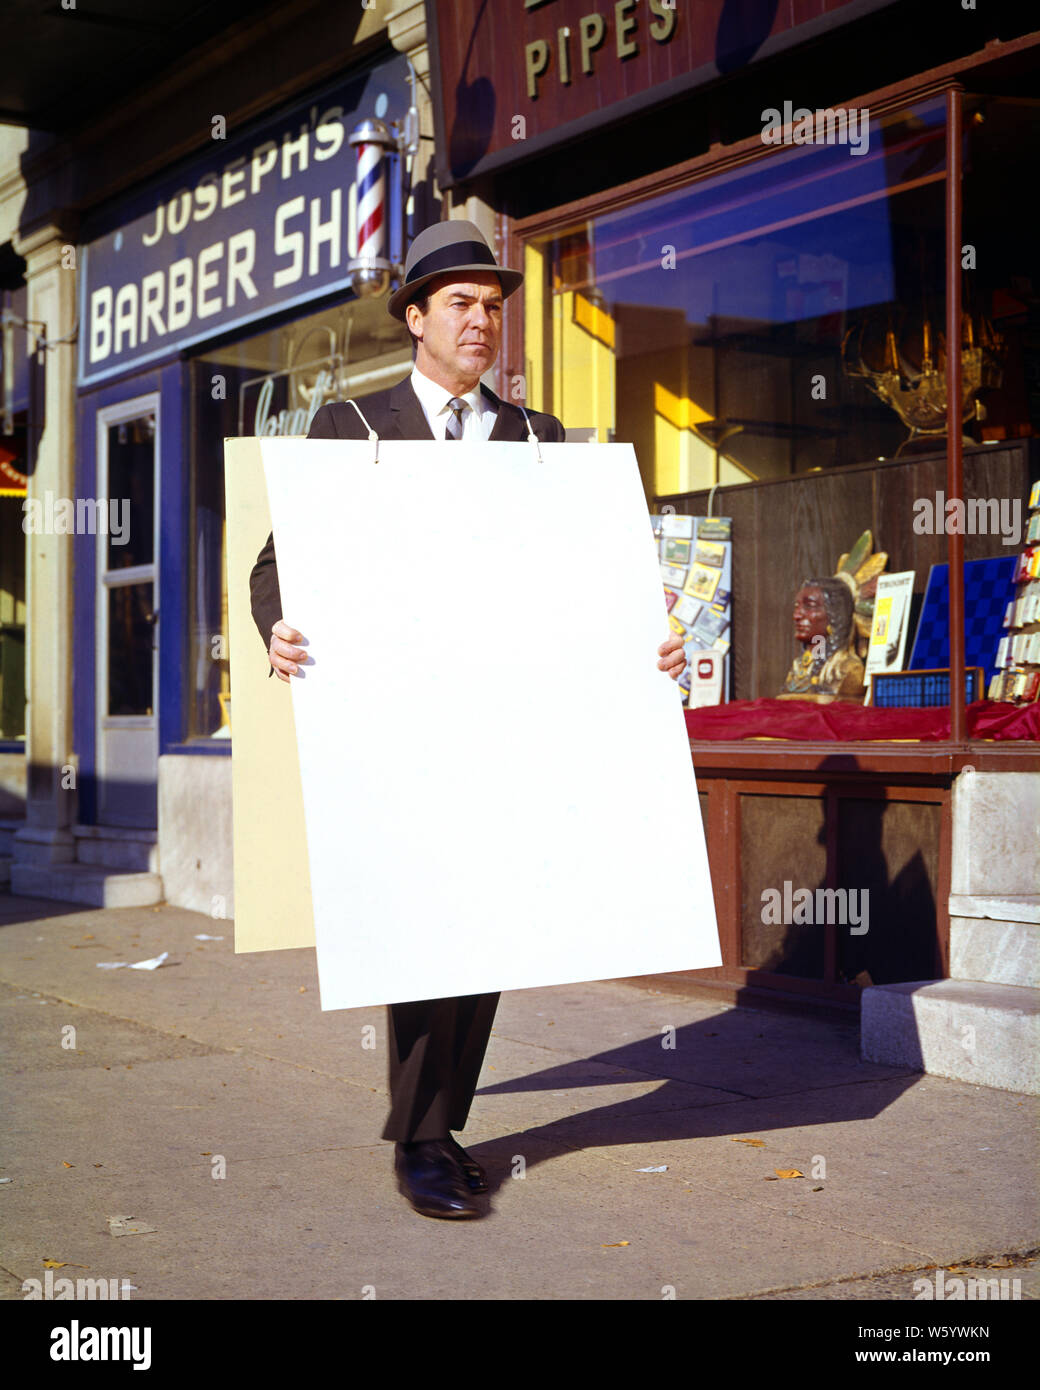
{"x":711,"y":320}
{"x":778,"y":329}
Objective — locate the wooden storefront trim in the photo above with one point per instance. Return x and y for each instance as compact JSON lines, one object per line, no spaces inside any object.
{"x":721,"y":158}
{"x":881,"y":760}
{"x":724,"y":790}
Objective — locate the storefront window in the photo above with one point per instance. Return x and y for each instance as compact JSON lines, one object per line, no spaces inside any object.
{"x":778,"y":329}
{"x":269,"y":384}
{"x":21,"y":372}
{"x":13,"y":611}
{"x":1002,"y":152}
{"x":729,"y":328}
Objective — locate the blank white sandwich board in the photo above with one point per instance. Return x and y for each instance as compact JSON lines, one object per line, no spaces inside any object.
{"x":497,"y":783}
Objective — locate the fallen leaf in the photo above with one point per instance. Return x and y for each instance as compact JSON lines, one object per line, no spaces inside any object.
{"x":788,"y":1173}
{"x":67,"y":1165}
{"x":817,"y":1189}
{"x":755,"y":1143}
{"x":62,"y":1264}
{"x":616,"y":1246}
{"x":303,"y":988}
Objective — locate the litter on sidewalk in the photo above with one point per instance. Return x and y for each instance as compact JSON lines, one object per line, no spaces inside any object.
{"x":129,"y":1226}
{"x":152,"y":964}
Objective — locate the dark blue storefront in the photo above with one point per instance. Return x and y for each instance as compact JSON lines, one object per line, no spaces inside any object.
{"x":205,"y":297}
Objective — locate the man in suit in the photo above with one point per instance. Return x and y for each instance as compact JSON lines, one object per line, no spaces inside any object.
{"x":451,"y":301}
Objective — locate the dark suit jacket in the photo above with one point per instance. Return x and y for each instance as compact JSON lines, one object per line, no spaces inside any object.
{"x":393,"y":414}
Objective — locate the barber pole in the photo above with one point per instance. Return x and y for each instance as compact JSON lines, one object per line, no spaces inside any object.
{"x":371,"y":188}
{"x":370,"y":267}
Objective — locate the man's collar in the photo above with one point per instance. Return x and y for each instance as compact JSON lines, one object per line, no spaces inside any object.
{"x":435,"y":397}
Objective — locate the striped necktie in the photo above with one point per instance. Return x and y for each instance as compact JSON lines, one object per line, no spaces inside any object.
{"x":454,"y":428}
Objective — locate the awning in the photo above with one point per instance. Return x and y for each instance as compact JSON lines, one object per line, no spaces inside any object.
{"x":62,"y":65}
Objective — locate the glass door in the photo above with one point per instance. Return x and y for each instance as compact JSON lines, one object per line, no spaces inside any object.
{"x":127,"y":615}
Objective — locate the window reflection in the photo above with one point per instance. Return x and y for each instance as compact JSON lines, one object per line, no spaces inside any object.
{"x":268,"y":384}
{"x":706,"y":325}
{"x":131,"y":488}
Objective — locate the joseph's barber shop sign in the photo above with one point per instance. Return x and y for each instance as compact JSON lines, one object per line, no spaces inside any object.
{"x":261,"y":223}
{"x":515,"y":77}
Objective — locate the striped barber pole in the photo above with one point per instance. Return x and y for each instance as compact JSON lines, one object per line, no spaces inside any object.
{"x":371,"y":202}
{"x":372,"y":140}
{"x":370,"y":268}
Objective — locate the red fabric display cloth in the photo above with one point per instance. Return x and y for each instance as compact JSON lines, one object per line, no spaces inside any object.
{"x":809,"y":722}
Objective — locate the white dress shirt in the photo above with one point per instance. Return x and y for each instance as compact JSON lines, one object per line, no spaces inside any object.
{"x":478,"y":420}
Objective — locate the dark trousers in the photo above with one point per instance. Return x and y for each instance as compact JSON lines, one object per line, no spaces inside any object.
{"x":437,"y":1047}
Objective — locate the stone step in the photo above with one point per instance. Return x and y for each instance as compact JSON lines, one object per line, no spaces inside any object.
{"x":988,"y":1034}
{"x":8,"y":825}
{"x":86,"y":883}
{"x":133,"y":851}
{"x":997,"y":952}
{"x":1009,"y":907}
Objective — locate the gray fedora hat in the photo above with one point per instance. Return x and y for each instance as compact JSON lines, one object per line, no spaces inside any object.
{"x":448,"y":247}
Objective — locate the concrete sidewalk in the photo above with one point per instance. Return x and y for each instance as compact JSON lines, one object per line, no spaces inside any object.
{"x":222,"y":1064}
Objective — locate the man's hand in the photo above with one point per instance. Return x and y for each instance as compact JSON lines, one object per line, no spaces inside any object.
{"x":282,"y":654}
{"x":673,"y":657}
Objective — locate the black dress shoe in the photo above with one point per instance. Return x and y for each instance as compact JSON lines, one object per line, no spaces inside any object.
{"x":475,"y":1175}
{"x":429,"y":1175}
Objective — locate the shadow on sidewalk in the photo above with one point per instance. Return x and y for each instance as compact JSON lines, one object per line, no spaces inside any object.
{"x":15,"y":908}
{"x":725,"y":1076}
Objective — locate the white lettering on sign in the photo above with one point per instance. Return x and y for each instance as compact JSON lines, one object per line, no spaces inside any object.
{"x":288,"y":244}
{"x":152,"y":304}
{"x":187,"y":289}
{"x":242,"y":177}
{"x":306,"y":241}
{"x":234,"y":174}
{"x":263,"y":161}
{"x":207,"y":280}
{"x":206,"y":197}
{"x":241,"y":256}
{"x":329,"y":231}
{"x":126,"y":317}
{"x":329,"y":134}
{"x":294,"y":149}
{"x":178,"y":212}
{"x":179,"y":297}
{"x":101,"y":323}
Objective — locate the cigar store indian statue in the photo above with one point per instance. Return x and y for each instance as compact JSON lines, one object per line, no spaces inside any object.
{"x":832,"y":620}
